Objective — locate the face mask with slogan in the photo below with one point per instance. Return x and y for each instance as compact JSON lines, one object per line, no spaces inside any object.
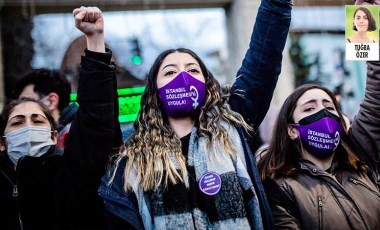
{"x":28,"y":141}
{"x":320,"y":133}
{"x":183,"y":96}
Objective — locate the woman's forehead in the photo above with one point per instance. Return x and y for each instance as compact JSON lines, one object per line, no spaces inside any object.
{"x":360,"y":12}
{"x":26,"y":109}
{"x":313,"y":94}
{"x":178,"y":58}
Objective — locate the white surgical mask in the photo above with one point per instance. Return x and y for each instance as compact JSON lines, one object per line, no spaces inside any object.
{"x":28,"y":141}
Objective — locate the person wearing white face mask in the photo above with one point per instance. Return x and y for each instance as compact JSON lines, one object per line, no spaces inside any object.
{"x":40,"y":189}
{"x":29,"y":130}
{"x":52,"y":88}
{"x":28,"y":141}
{"x":27,"y":144}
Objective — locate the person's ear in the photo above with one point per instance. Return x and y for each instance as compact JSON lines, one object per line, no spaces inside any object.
{"x":52,"y":101}
{"x":293,"y":133}
{"x":54,"y":136}
{"x":3,"y":146}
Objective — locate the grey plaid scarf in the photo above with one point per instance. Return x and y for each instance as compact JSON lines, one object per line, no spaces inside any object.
{"x":185,"y":206}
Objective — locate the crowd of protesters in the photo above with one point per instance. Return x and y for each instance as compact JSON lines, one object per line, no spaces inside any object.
{"x":189,"y":162}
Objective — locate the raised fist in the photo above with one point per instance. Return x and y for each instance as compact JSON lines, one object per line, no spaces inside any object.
{"x":89,"y":20}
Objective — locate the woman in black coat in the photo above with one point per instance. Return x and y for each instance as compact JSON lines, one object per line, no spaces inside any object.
{"x":41,"y":190}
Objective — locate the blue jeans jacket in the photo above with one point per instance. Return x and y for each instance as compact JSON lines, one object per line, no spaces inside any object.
{"x":261,"y":66}
{"x":256,"y":80}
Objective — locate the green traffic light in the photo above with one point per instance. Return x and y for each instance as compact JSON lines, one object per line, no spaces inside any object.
{"x":137,"y":60}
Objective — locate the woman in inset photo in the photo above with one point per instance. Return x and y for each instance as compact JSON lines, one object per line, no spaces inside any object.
{"x":363,"y":22}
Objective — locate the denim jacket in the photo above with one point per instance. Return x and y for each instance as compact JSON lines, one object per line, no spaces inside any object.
{"x":256,"y":81}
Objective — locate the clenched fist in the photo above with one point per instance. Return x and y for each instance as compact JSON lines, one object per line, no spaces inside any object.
{"x":89,"y":20}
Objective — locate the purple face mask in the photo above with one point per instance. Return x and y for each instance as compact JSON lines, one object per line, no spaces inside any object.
{"x":183,"y":96}
{"x":320,"y":133}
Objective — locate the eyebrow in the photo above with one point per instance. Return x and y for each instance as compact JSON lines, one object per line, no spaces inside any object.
{"x":315,"y":100}
{"x":189,"y":64}
{"x":34,"y":115}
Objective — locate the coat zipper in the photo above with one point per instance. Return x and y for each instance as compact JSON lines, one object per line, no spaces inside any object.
{"x":15,"y":190}
{"x":320,"y":212}
{"x":20,"y":221}
{"x":15,"y":195}
{"x":358,"y":182}
{"x":336,"y":200}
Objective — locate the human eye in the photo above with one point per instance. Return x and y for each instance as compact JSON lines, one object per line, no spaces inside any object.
{"x":308,"y":109}
{"x":194,"y":71}
{"x":16,"y":123}
{"x":39,"y":119}
{"x":169,"y":73}
{"x":330,"y":107}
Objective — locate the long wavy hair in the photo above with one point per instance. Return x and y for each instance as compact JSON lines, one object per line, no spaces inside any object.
{"x":283,"y":153}
{"x":154,"y":143}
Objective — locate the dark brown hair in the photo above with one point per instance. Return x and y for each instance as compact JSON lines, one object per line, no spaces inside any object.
{"x":371,"y":19}
{"x":47,"y":81}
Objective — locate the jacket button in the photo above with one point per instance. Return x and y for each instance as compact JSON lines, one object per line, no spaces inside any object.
{"x":314,"y":170}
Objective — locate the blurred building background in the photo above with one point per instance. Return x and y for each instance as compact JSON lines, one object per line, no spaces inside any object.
{"x":41,"y":33}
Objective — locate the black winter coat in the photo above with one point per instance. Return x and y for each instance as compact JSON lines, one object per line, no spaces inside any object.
{"x":60,"y":192}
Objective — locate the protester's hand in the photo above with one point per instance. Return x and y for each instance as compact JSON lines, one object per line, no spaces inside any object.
{"x":367,"y":2}
{"x":89,"y":20}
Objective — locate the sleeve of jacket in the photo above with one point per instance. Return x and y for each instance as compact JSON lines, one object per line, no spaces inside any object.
{"x":93,"y":136}
{"x":121,"y":207}
{"x":257,"y":77}
{"x":256,"y":180}
{"x":365,"y":128}
{"x":284,"y":208}
{"x":284,"y":219}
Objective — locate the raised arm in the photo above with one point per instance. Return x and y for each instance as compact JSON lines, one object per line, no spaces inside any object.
{"x":365,"y":128}
{"x":261,"y":66}
{"x":257,"y":77}
{"x":95,"y":131}
{"x":89,"y":20}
